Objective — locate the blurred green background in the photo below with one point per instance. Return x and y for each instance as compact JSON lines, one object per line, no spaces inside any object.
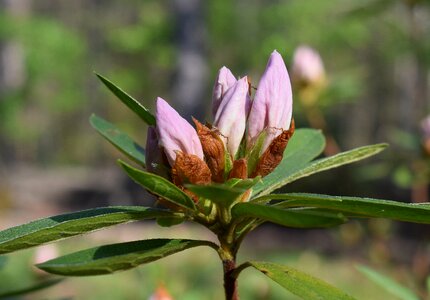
{"x":377,"y":59}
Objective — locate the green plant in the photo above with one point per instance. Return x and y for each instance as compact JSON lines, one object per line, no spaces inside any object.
{"x":229,"y":190}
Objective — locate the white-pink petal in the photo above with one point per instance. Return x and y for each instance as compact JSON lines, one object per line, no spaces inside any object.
{"x":175,"y":133}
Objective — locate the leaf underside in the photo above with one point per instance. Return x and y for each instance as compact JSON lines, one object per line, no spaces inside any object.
{"x":67,"y":225}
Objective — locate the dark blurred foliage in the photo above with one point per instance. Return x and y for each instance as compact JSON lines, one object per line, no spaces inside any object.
{"x":376,"y":52}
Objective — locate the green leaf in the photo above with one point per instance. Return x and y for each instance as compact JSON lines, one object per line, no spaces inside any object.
{"x":297,"y":218}
{"x":254,"y":154}
{"x":320,"y":165}
{"x":33,"y":288}
{"x":169,"y":222}
{"x":159,"y":186}
{"x":305,"y":145}
{"x":388,"y":284}
{"x":119,"y":139}
{"x":117,"y":257}
{"x":132,"y":103}
{"x":3,"y":261}
{"x":301,"y":284}
{"x":244,"y":183}
{"x":218,"y":193}
{"x":63,"y":226}
{"x":364,"y":207}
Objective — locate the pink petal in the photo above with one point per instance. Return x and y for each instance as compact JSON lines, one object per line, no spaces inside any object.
{"x":223,"y":82}
{"x":230,"y":118}
{"x":175,"y":133}
{"x":273,"y":104}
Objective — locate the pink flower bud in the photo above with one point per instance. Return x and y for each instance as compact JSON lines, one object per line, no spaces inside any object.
{"x":223,"y":82}
{"x":175,"y":133}
{"x":230,"y":118}
{"x":307,"y":66}
{"x":273,"y":104}
{"x":155,"y":163}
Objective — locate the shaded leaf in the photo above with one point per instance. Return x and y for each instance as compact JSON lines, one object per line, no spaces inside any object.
{"x":33,"y":288}
{"x":119,"y":139}
{"x":297,"y":218}
{"x":63,"y":226}
{"x":132,"y":103}
{"x":117,"y":257}
{"x":218,"y":193}
{"x":320,"y":165}
{"x":388,"y":284}
{"x":305,"y":145}
{"x":159,"y":186}
{"x":364,"y":207}
{"x":299,"y":283}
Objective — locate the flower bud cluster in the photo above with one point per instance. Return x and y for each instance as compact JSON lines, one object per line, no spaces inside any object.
{"x":242,"y":127}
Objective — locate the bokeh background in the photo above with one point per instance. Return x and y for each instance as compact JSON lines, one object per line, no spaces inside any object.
{"x":377,"y":59}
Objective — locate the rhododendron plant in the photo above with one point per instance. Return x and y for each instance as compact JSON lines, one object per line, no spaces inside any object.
{"x":224,"y":174}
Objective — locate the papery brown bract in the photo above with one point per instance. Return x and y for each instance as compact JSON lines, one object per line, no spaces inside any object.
{"x":213,"y":150}
{"x":274,"y":153}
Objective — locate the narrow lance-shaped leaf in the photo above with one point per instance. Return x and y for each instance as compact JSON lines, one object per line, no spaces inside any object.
{"x":388,"y":284}
{"x":159,"y":186}
{"x":218,"y":193}
{"x":119,"y":139}
{"x":364,"y":207}
{"x":117,"y":257}
{"x":132,"y":103}
{"x":297,"y":218}
{"x":224,"y":194}
{"x":301,"y":284}
{"x":63,"y":226}
{"x":305,"y":145}
{"x":26,"y":290}
{"x":320,"y":165}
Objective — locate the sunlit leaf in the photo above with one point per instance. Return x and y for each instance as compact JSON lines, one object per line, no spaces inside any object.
{"x":388,"y":284}
{"x":119,"y":139}
{"x":299,"y":283}
{"x":63,"y":226}
{"x":117,"y":257}
{"x":280,"y":179}
{"x":305,"y":145}
{"x":297,"y":218}
{"x":364,"y":207}
{"x":132,"y":103}
{"x":159,"y":186}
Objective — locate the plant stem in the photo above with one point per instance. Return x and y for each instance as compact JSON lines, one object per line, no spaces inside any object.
{"x":230,"y":281}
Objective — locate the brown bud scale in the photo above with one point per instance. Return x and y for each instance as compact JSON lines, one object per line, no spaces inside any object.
{"x":240,"y":169}
{"x":274,"y":153}
{"x":213,"y":149}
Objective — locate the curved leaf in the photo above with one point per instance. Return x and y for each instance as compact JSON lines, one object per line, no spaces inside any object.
{"x":159,"y":186}
{"x":305,"y":145}
{"x":33,"y":288}
{"x":297,"y":218}
{"x":301,"y":284}
{"x":360,"y":207}
{"x":119,"y":139}
{"x":117,"y":257}
{"x":132,"y":103}
{"x":63,"y":226}
{"x":320,"y":165}
{"x":219,"y":193}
